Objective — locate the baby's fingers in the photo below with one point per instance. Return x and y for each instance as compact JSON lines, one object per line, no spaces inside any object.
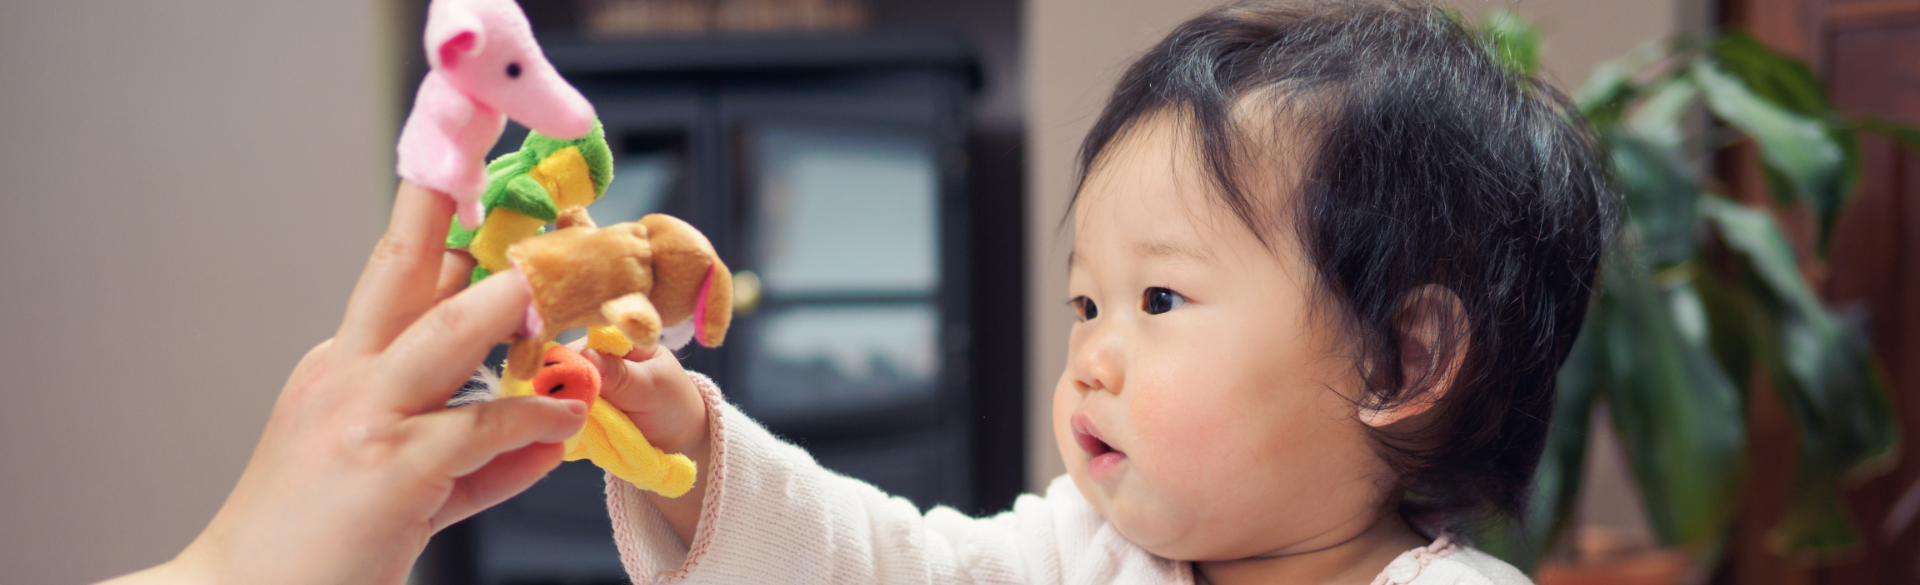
{"x":656,"y":394}
{"x":460,"y":441}
{"x":635,"y":385}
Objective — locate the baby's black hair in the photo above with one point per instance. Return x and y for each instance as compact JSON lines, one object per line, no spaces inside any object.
{"x":1422,"y":159}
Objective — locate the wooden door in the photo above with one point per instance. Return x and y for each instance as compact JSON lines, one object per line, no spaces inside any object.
{"x":1868,"y":53}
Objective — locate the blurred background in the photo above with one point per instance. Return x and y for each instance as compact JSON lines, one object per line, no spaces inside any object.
{"x":191,"y":187}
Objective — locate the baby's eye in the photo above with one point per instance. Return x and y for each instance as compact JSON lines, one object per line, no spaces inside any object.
{"x":1084,"y":308}
{"x":1159,"y":300}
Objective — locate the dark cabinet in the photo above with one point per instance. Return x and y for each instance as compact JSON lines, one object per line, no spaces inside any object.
{"x":833,"y":174}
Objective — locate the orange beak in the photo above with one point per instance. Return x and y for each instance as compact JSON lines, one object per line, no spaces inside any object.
{"x":567,"y":375}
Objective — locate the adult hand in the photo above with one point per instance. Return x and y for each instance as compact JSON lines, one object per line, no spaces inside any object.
{"x":361,"y":462}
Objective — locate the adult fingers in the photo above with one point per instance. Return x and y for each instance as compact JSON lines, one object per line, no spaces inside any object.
{"x":456,"y":271}
{"x":457,"y":442}
{"x":432,"y":358}
{"x":506,"y":476}
{"x":396,"y":286}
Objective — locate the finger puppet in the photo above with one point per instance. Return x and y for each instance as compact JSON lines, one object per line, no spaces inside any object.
{"x":631,"y":282}
{"x":644,"y":278}
{"x":608,"y":438}
{"x":485,"y":68}
{"x":548,"y":180}
{"x":567,"y":376}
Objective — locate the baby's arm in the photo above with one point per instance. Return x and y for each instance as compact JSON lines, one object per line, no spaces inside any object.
{"x":763,"y":510}
{"x":669,"y":410}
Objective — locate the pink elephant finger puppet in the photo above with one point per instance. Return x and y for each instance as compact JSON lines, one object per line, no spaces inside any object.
{"x":486,"y":68}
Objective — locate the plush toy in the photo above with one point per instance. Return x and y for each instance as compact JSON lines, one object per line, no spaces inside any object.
{"x":609,"y":438}
{"x":567,"y":376}
{"x":645,"y":278}
{"x":625,"y":281}
{"x":486,"y":67}
{"x":630,"y":283}
{"x":544,"y":182}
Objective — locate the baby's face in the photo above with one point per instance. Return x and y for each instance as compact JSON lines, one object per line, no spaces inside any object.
{"x":1205,"y":405}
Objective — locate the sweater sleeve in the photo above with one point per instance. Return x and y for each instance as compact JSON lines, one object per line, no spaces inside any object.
{"x":771,"y":514}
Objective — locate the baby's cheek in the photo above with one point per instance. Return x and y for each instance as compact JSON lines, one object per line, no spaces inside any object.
{"x":1180,"y":428}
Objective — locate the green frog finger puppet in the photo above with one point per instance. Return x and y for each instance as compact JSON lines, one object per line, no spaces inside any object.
{"x":547,"y":181}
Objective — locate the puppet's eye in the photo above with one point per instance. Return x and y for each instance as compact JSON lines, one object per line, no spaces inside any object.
{"x":1159,"y":300}
{"x":1084,"y":308}
{"x":550,"y":364}
{"x":556,"y":388}
{"x":513,"y":70}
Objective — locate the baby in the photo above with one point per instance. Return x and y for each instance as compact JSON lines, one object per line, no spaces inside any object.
{"x":1327,"y":259}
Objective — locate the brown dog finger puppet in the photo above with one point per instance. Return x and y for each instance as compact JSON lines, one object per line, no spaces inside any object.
{"x":635,"y":282}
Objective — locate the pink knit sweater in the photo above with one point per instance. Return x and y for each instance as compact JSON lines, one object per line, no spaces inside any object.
{"x":772,"y":515}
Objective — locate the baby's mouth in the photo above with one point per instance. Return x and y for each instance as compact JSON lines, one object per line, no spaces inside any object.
{"x":1103,"y":457}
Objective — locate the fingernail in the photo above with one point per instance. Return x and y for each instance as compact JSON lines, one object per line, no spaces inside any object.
{"x":576,"y":407}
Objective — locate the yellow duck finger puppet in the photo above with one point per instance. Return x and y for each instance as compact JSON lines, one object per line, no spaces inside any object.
{"x":638,"y":281}
{"x":609,"y":438}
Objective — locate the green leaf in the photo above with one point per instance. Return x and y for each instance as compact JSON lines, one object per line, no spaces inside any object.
{"x":1802,"y":157}
{"x":1791,"y":84}
{"x":1659,"y":189}
{"x":1907,"y":135}
{"x":1677,"y":412}
{"x":1604,"y":96}
{"x":1753,"y":233}
{"x":1822,"y":366}
{"x":1776,"y":78}
{"x":1658,"y":118}
{"x":1732,"y":324}
{"x":1515,"y":42}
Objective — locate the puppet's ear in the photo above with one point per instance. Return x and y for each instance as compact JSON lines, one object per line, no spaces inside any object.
{"x":713,"y":312}
{"x":454,"y":33}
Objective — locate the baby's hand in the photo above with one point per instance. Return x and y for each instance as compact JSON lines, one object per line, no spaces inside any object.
{"x":656,"y":394}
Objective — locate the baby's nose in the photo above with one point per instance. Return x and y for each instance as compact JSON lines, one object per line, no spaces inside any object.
{"x":1099,"y":365}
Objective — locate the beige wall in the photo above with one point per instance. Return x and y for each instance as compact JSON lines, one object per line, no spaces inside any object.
{"x":188,"y":191}
{"x":1077,"y":48}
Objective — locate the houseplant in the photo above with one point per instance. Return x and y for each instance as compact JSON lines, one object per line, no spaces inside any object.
{"x":1703,"y":297}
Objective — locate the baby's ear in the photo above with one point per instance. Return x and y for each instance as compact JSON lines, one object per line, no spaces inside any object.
{"x":1433,"y":333}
